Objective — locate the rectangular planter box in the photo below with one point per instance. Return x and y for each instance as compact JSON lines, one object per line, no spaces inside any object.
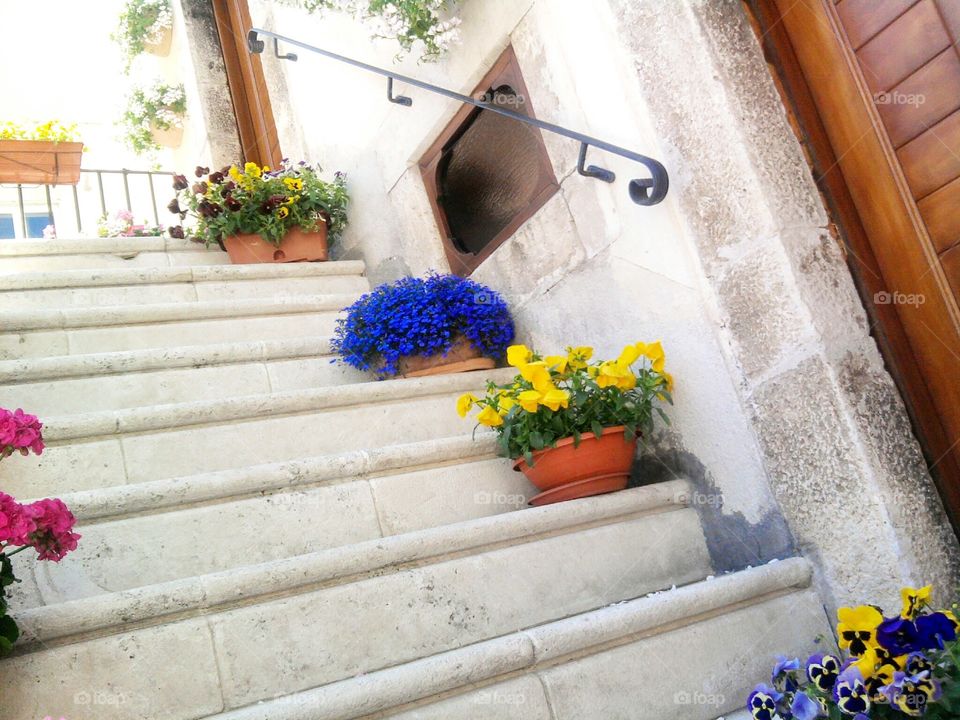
{"x":40,"y":162}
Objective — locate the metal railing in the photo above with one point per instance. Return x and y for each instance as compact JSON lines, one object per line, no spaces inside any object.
{"x":126,"y":200}
{"x":643,"y":191}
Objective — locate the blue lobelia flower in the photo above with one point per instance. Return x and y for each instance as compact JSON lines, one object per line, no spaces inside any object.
{"x":850,"y":693}
{"x":762,"y":703}
{"x":822,"y":670}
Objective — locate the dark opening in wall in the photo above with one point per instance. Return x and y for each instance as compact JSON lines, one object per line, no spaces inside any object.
{"x":486,"y":174}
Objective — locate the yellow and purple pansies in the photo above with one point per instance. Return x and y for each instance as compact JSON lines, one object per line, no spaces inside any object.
{"x":898,"y":667}
{"x":565,"y":395}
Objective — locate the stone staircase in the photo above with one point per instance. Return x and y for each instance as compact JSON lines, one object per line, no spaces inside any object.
{"x":269,"y":536}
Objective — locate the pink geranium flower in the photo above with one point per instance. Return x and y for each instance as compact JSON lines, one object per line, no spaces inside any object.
{"x":54,"y":536}
{"x":16,"y":521}
{"x":8,"y":428}
{"x":20,"y":431}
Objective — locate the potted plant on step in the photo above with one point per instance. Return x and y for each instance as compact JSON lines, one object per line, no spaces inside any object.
{"x":424,"y":326}
{"x":571,"y":424}
{"x":259,"y":215}
{"x":47,"y":154}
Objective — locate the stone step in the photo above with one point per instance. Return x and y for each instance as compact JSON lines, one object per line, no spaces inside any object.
{"x":122,"y":447}
{"x":110,"y":558}
{"x":138,"y":286}
{"x":428,"y":640}
{"x":76,"y":331}
{"x":18,"y":256}
{"x":137,"y":378}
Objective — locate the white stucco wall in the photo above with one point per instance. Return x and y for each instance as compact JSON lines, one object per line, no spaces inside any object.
{"x":731,"y":271}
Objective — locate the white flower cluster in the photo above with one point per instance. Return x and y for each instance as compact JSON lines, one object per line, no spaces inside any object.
{"x":402,"y":23}
{"x":163,"y":22}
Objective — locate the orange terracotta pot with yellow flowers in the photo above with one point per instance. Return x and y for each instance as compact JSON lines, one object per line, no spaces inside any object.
{"x":261,"y":215}
{"x":569,"y":422}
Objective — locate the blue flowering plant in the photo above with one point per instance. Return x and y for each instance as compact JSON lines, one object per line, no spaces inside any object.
{"x":421,"y":316}
{"x":899,"y":667}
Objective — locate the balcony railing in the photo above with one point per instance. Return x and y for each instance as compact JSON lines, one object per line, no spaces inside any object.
{"x":106,"y":191}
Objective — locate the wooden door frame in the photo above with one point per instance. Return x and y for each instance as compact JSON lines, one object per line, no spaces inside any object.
{"x":822,"y":84}
{"x":257,"y":129}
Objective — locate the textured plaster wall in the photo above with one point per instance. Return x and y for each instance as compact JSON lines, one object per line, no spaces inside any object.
{"x":781,"y":394}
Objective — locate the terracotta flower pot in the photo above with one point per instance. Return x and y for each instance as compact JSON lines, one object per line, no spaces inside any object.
{"x":594,"y":467}
{"x":296,"y":246}
{"x":461,"y":357}
{"x":171,"y":137}
{"x":162,"y":46}
{"x":40,"y":162}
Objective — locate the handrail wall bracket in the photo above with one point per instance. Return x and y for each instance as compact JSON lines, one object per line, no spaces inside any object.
{"x":643,"y":191}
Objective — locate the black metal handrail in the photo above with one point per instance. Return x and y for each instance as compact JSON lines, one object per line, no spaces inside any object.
{"x":643,"y":191}
{"x":125,"y":173}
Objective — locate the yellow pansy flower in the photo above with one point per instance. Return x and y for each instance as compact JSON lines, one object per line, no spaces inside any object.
{"x":283,"y":212}
{"x":505,"y":403}
{"x":914,"y":599}
{"x":489,"y":417}
{"x":628,"y":355}
{"x":557,"y":362}
{"x":653,"y":351}
{"x":464,"y":403}
{"x":578,"y":356}
{"x":518,"y":355}
{"x":293,"y":184}
{"x":555,"y":399}
{"x":529,"y":400}
{"x":669,"y":379}
{"x":535,"y":372}
{"x":857,"y":628}
{"x":252,"y":170}
{"x":234,"y":174}
{"x":613,"y":374}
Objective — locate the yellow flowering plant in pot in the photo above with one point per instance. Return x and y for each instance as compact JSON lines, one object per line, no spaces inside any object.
{"x":571,"y":422}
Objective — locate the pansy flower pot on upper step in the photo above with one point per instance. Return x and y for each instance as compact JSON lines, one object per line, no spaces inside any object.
{"x":461,"y":357}
{"x":594,"y":467}
{"x":296,"y":246}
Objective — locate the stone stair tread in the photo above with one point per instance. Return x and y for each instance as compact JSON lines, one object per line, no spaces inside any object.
{"x":85,"y":246}
{"x":61,"y":367}
{"x":179,"y":274}
{"x":28,"y":320}
{"x":222,"y":591}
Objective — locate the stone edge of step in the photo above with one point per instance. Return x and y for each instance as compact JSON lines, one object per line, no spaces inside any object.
{"x":526,"y":650}
{"x":75,"y":318}
{"x":290,"y":402}
{"x":104,"y":504}
{"x":118,"y":611}
{"x":96,"y":246}
{"x":66,"y":367}
{"x":48,"y":280}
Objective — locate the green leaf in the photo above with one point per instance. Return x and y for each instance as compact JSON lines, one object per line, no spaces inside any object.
{"x":536,"y":440}
{"x":528,"y":456}
{"x":596,"y":428}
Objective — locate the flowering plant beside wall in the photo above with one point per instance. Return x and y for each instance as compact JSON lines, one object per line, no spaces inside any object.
{"x":421,"y":316}
{"x":142,"y":23}
{"x":45,"y":525}
{"x":418,"y":25}
{"x":156,"y":107}
{"x":121,"y":224}
{"x":259,"y":200}
{"x":561,"y":396}
{"x":52,"y":130}
{"x":897,"y":667}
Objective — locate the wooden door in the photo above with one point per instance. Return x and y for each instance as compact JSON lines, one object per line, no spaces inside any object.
{"x":875,"y":85}
{"x":248,"y":87}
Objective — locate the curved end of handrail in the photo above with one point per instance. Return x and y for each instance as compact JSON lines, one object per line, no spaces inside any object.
{"x":650,"y":191}
{"x":254,"y":44}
